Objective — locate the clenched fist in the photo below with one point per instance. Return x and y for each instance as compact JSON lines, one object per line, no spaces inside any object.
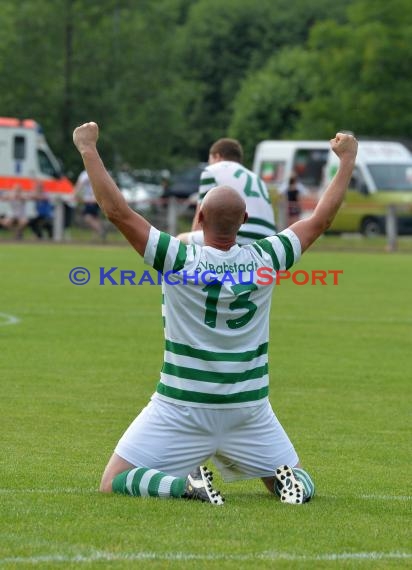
{"x":344,"y":145}
{"x":85,"y":136}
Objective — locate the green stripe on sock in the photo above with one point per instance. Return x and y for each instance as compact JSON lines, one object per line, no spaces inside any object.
{"x":153,"y":487}
{"x":119,"y":483}
{"x":135,"y":485}
{"x":177,"y":488}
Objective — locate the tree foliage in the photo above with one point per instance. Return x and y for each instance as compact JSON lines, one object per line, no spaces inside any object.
{"x":268,"y":104}
{"x":165,"y":78}
{"x":224,"y":43}
{"x":362,"y":82}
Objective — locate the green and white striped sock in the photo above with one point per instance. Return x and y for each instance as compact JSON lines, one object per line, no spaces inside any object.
{"x":142,"y":482}
{"x":304,"y":477}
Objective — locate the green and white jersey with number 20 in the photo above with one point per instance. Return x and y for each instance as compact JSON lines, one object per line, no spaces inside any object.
{"x":216,"y":308}
{"x":261,"y":222}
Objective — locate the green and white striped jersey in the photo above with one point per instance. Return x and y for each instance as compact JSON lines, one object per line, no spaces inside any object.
{"x":216,"y":317}
{"x":261,"y":222}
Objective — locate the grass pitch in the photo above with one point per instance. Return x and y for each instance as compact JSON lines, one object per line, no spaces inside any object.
{"x":78,"y":363}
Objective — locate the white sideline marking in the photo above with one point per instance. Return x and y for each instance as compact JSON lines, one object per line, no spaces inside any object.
{"x":350,"y":319}
{"x":93,"y":490}
{"x":68,"y":491}
{"x":186,"y":556}
{"x":6,"y":319}
{"x":386,"y":497}
{"x":373,"y":497}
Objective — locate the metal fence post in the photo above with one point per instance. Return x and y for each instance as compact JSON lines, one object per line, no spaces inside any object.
{"x":391,"y":228}
{"x":172,"y":215}
{"x":58,"y":220}
{"x":282,"y":219}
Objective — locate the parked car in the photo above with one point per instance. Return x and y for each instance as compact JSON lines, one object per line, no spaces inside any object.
{"x":139,"y":195}
{"x":185,"y":182}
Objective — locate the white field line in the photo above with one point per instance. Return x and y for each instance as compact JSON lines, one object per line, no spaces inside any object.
{"x":402,"y":319}
{"x":348,"y":319}
{"x":92,"y":491}
{"x":186,"y":556}
{"x":373,"y":497}
{"x":6,"y":319}
{"x":385,"y":497}
{"x":51,"y":491}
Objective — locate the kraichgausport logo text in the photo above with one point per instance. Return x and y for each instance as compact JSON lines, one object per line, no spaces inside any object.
{"x":224,"y":273}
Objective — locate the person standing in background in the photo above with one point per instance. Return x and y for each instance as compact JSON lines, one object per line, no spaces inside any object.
{"x":225,"y":168}
{"x":292,"y":191}
{"x":84,"y":194}
{"x":43,"y":221}
{"x":17,"y":218}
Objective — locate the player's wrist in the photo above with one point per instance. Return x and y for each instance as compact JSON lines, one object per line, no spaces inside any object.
{"x":88,"y":150}
{"x":348,"y":159}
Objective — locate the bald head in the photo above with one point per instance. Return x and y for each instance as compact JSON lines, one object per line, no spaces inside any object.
{"x":221,"y":214}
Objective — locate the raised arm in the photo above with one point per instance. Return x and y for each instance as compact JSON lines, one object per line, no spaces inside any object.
{"x":308,"y":230}
{"x":133,"y":226}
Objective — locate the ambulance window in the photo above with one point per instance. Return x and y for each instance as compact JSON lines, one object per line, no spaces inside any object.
{"x":308,"y":164}
{"x":357,"y":181}
{"x":391,"y":177}
{"x":272,"y":172}
{"x":19,"y":147}
{"x":46,"y":165}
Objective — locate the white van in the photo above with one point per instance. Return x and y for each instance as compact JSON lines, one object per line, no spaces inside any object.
{"x":274,"y":161}
{"x":382,"y":177}
{"x":26,"y":158}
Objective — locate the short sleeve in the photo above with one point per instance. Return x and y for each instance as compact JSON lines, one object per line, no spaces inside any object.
{"x":166,"y":253}
{"x":281,"y":251}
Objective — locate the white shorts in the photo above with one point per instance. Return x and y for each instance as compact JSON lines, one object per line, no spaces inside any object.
{"x":243,"y":443}
{"x":196,"y":238}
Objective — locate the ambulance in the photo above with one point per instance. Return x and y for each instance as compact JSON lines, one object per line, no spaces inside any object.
{"x":26,"y":158}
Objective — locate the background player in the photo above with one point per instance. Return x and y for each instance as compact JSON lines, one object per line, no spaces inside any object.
{"x":225,"y":169}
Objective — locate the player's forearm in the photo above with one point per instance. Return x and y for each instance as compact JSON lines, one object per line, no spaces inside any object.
{"x":107,"y":194}
{"x":334,"y":195}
